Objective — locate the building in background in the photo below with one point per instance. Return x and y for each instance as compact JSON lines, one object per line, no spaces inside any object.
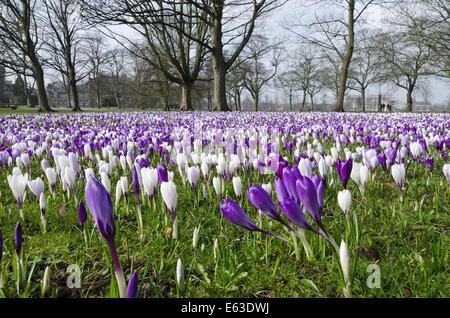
{"x":353,"y":103}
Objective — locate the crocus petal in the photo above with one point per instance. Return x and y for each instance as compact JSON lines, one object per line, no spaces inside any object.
{"x":100,"y":205}
{"x":133,"y":286}
{"x":294,"y":213}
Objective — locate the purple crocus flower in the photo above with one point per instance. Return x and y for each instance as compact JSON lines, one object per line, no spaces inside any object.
{"x":344,"y":169}
{"x":280,"y":189}
{"x":290,"y":176}
{"x":18,"y":238}
{"x":100,"y":205}
{"x":234,"y":213}
{"x":135,"y":178}
{"x":162,"y":173}
{"x":382,"y":160}
{"x":312,"y":198}
{"x":429,"y":162}
{"x":82,"y":213}
{"x":392,"y":155}
{"x":262,"y":201}
{"x":294,"y":213}
{"x":133,"y":286}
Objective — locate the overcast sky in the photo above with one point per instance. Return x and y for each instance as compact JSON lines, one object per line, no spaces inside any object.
{"x":375,"y":17}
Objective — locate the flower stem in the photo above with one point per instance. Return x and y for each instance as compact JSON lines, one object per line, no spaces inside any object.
{"x":118,"y":269}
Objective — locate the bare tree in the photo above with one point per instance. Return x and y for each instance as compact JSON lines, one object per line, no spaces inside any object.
{"x":429,"y":20}
{"x":96,"y":57}
{"x":405,"y":57}
{"x":235,"y":82}
{"x":115,"y":64}
{"x":20,"y":39}
{"x":366,"y":66}
{"x":228,"y":23}
{"x":305,"y":66}
{"x":257,"y":74}
{"x":336,"y":32}
{"x":174,"y":33}
{"x":288,"y":82}
{"x":64,"y":43}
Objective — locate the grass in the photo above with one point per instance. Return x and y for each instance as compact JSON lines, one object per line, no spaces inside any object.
{"x":408,"y":241}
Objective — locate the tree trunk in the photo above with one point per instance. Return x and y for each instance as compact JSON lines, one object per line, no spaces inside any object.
{"x":97,"y":92}
{"x":218,"y":62}
{"x":348,"y":57}
{"x":256,"y":102}
{"x":186,"y":97}
{"x":220,"y":96}
{"x":409,"y":100}
{"x":290,"y":102}
{"x":165,"y":102}
{"x":40,"y":86}
{"x":74,"y":92}
{"x":363,"y":99}
{"x":239,"y":101}
{"x":303,"y":101}
{"x":26,"y":92}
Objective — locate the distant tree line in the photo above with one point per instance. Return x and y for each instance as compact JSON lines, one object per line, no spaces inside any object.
{"x":213,"y":52}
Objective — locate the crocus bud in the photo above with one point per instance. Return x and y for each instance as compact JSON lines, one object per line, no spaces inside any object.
{"x":262,"y":201}
{"x":363,"y":176}
{"x":100,"y":206}
{"x":169,"y":195}
{"x":18,"y":183}
{"x":46,"y":281}
{"x":195,"y":237}
{"x":135,"y":178}
{"x":69,"y":177}
{"x":193,"y":174}
{"x":82,"y":215}
{"x":217,"y":187}
{"x":446,"y":170}
{"x":18,"y":238}
{"x":344,"y":169}
{"x":322,"y":168}
{"x":180,"y":276}
{"x":105,"y":181}
{"x":162,"y":173}
{"x":234,"y":213}
{"x":345,"y":200}
{"x":132,"y":289}
{"x":237,"y":186}
{"x":398,"y":173}
{"x":36,"y":186}
{"x":305,"y":167}
{"x":124,"y":186}
{"x":118,"y":192}
{"x":42,"y":203}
